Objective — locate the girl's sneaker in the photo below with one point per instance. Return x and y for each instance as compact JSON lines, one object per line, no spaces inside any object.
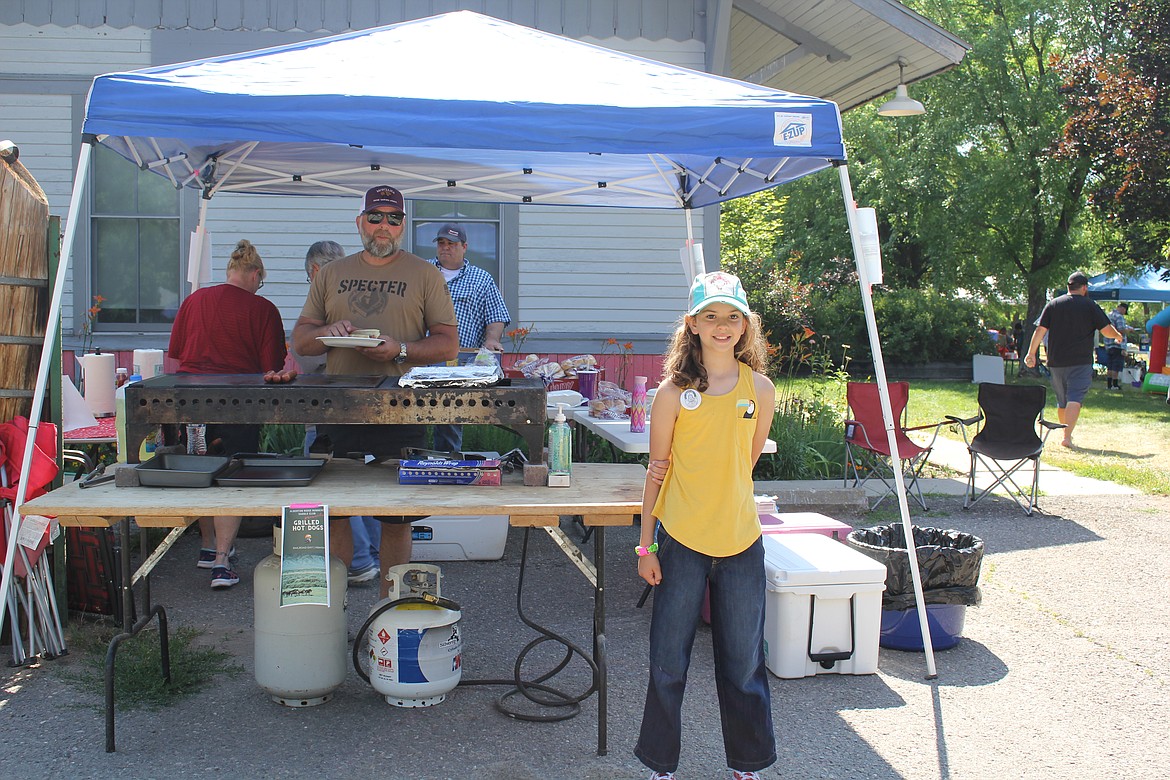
{"x":662,"y":776}
{"x":738,"y":775}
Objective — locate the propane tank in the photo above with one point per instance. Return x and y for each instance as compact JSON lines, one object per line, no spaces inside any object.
{"x":414,"y":645}
{"x":300,"y":649}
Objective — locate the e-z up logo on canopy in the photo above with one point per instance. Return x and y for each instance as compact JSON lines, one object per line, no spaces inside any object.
{"x":792,"y":129}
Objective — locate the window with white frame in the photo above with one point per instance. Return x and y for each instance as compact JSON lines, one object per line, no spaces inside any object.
{"x":135,"y":239}
{"x":481,"y":221}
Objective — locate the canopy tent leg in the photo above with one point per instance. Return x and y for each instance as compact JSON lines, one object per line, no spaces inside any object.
{"x":52,"y":327}
{"x":879,"y":369}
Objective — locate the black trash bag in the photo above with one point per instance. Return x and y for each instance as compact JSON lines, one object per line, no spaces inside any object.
{"x":948,"y":562}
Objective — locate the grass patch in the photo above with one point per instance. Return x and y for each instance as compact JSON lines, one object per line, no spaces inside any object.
{"x":138,"y":680}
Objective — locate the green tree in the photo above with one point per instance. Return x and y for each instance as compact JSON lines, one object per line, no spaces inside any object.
{"x":1120,"y":120}
{"x":970,"y":195}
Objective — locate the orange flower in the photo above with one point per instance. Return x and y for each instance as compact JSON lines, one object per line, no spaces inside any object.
{"x":91,"y":315}
{"x":625,"y":355}
{"x":518,"y":335}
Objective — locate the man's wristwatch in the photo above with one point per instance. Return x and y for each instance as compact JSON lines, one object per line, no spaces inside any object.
{"x":401,"y":353}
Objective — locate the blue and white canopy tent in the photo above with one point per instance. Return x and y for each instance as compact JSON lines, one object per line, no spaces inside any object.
{"x":1134,"y":286}
{"x":539,"y":119}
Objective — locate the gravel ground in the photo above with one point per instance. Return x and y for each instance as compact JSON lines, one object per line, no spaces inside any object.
{"x":1062,"y":672}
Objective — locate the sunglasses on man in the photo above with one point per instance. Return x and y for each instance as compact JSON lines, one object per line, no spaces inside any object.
{"x":395,"y":218}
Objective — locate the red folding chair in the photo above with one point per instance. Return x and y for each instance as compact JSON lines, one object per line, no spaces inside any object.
{"x":867,"y":448}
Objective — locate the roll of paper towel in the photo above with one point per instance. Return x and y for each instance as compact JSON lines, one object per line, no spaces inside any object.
{"x":97,"y":371}
{"x":148,"y":362}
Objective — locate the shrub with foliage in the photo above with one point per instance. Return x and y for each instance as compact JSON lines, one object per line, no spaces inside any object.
{"x":915,"y":326}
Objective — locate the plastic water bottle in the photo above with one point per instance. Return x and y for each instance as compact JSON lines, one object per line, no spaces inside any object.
{"x":560,"y":450}
{"x":638,"y":406}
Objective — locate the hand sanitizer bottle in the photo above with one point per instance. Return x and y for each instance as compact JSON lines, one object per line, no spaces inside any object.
{"x":560,"y":450}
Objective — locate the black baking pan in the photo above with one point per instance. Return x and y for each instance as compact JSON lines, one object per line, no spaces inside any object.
{"x":174,"y":469}
{"x":270,"y":471}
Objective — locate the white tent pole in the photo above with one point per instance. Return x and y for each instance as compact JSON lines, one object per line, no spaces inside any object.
{"x":52,"y":327}
{"x":879,"y":369}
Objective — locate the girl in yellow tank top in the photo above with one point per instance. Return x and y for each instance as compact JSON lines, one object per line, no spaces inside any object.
{"x":700,"y":529}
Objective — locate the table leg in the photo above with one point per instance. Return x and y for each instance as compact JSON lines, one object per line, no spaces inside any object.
{"x":599,"y":648}
{"x":130,"y":629}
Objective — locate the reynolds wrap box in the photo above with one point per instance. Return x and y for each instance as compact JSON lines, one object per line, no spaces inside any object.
{"x":438,"y":471}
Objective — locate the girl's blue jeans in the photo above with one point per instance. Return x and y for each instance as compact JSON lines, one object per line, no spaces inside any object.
{"x":738,"y":590}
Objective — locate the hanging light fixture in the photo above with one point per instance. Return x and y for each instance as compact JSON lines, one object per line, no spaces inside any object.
{"x":901,"y":104}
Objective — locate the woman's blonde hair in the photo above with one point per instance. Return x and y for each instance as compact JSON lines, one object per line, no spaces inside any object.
{"x":246,"y":258}
{"x":683,"y":362}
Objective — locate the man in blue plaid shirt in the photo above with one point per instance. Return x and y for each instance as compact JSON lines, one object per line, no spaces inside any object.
{"x":479,"y":307}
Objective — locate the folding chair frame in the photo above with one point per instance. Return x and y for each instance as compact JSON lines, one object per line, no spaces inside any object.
{"x":999,"y":468}
{"x":867,"y":461}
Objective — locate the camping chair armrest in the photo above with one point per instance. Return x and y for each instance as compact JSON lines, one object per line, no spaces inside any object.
{"x":964,"y":421}
{"x":1048,"y":427}
{"x":860,"y":429}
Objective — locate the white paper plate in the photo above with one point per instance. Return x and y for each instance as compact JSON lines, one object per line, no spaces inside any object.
{"x":349,"y":341}
{"x":570,"y":398}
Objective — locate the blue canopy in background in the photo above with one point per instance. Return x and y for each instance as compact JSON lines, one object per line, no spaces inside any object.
{"x":1137,"y":287}
{"x":523,"y":117}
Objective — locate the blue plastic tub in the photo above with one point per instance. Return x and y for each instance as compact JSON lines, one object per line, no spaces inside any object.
{"x":900,"y":629}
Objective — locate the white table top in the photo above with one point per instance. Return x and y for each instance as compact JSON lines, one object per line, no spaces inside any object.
{"x":617,"y":432}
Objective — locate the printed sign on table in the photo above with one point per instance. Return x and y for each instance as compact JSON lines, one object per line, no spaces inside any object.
{"x":304,"y":557}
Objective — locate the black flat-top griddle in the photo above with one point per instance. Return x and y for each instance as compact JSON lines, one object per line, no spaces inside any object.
{"x":332,"y":399}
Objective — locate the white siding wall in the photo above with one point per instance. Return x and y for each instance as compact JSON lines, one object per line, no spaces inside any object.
{"x":40,"y":123}
{"x":72,"y":51}
{"x":282,"y":228}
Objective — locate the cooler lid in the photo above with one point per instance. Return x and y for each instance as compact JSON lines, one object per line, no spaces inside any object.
{"x":796,"y":560}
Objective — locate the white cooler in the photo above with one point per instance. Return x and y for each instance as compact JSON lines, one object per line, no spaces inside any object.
{"x":459,"y":538}
{"x":823,"y":609}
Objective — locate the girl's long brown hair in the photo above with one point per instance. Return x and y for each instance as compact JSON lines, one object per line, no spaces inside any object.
{"x":683,"y":365}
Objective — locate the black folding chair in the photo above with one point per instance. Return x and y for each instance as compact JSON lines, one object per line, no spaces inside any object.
{"x":1011,"y":433}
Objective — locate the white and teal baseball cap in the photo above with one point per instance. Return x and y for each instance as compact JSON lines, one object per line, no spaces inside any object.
{"x":717,"y":287}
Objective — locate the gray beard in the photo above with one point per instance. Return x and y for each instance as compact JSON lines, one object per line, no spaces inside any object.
{"x":379,"y":248}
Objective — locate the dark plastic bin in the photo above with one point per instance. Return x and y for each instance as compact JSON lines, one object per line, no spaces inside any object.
{"x":948,"y":562}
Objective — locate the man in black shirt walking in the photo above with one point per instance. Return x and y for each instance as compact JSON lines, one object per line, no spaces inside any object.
{"x":1070,"y":321}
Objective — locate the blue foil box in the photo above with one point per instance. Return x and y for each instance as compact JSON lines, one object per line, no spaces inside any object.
{"x":449,"y":472}
{"x":450,"y":464}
